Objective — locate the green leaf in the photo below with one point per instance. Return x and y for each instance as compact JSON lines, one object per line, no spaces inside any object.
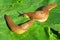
{"x":37,"y":30}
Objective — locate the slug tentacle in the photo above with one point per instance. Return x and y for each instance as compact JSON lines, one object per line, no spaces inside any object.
{"x":18,"y":29}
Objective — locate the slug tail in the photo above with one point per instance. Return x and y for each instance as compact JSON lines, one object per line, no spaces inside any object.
{"x":49,"y":7}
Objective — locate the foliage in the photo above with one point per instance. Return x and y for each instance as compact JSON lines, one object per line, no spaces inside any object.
{"x":38,"y":31}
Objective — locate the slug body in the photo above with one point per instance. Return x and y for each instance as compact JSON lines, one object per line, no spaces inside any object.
{"x":18,"y":29}
{"x":38,"y":15}
{"x":41,"y":15}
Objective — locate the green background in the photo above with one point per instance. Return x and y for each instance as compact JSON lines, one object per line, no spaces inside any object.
{"x":37,"y":31}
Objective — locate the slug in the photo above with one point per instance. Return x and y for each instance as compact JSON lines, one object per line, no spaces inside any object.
{"x":18,"y":29}
{"x":41,"y":15}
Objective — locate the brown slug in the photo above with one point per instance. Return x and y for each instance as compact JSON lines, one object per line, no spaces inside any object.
{"x":41,"y":15}
{"x":18,"y":29}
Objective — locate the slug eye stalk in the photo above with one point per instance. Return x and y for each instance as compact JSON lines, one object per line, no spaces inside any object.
{"x":18,"y":29}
